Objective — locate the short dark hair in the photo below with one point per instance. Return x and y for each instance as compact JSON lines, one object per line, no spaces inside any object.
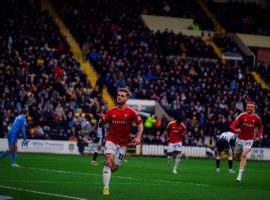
{"x":126,"y":90}
{"x":251,"y":102}
{"x":179,"y":119}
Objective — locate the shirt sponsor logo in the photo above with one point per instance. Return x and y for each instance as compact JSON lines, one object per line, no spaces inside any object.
{"x":248,"y":124}
{"x":119,"y":122}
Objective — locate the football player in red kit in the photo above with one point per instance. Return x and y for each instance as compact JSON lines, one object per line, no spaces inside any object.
{"x":120,"y":120}
{"x":248,"y":128}
{"x":175,"y":131}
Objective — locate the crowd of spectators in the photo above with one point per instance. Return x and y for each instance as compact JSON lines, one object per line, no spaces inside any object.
{"x":242,"y":17}
{"x":264,"y":70}
{"x":38,"y":71}
{"x":180,"y":72}
{"x":226,"y":44}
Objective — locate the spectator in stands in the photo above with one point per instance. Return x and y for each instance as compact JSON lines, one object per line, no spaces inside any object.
{"x":149,"y":121}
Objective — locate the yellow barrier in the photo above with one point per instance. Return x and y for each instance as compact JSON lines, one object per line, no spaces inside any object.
{"x":260,"y":81}
{"x":220,"y":30}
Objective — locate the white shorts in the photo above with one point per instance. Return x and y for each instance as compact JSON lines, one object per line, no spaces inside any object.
{"x":118,"y":151}
{"x":174,"y":147}
{"x":242,"y":144}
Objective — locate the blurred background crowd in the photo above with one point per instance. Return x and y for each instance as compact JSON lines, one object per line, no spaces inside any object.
{"x":182,"y":73}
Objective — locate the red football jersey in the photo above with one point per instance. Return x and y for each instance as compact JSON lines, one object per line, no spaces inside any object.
{"x":120,"y":122}
{"x":176,"y":132}
{"x":247,"y":123}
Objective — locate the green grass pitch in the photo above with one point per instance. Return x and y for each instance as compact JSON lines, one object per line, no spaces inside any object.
{"x":56,"y":177}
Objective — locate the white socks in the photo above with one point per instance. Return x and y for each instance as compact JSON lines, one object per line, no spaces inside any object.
{"x":239,"y":177}
{"x":106,"y":176}
{"x":177,"y":161}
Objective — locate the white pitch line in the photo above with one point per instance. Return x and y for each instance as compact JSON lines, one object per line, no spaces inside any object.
{"x":74,"y":182}
{"x":122,"y":177}
{"x":61,"y":171}
{"x":43,"y":193}
{"x":24,"y":181}
{"x":199,"y":184}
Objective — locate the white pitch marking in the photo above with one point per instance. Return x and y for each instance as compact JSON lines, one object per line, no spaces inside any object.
{"x":123,"y":177}
{"x":44,"y":193}
{"x":74,"y":182}
{"x":24,"y":181}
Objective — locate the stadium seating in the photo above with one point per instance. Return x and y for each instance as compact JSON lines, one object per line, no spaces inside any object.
{"x":242,"y":17}
{"x":38,"y":70}
{"x":181,"y":72}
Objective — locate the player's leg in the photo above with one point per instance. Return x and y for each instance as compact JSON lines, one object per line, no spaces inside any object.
{"x":230,"y":161}
{"x":119,"y":158}
{"x":177,"y":161}
{"x":242,"y":163}
{"x":110,"y":150}
{"x":14,"y":157}
{"x":14,"y":152}
{"x":4,"y":154}
{"x":238,"y":149}
{"x":11,"y":143}
{"x":218,"y":161}
{"x":170,"y":154}
{"x":177,"y":152}
{"x":219,"y":150}
{"x":96,"y":153}
{"x":107,"y":171}
{"x":170,"y":158}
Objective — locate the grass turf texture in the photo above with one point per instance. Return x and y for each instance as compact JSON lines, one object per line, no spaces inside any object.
{"x":44,"y":176}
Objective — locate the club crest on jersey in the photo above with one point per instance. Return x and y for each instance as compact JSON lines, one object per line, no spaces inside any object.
{"x":125,"y":116}
{"x":113,"y":115}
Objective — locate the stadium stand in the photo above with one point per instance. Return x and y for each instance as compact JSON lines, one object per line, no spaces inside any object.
{"x":182,"y":72}
{"x":242,"y":17}
{"x":38,"y":70}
